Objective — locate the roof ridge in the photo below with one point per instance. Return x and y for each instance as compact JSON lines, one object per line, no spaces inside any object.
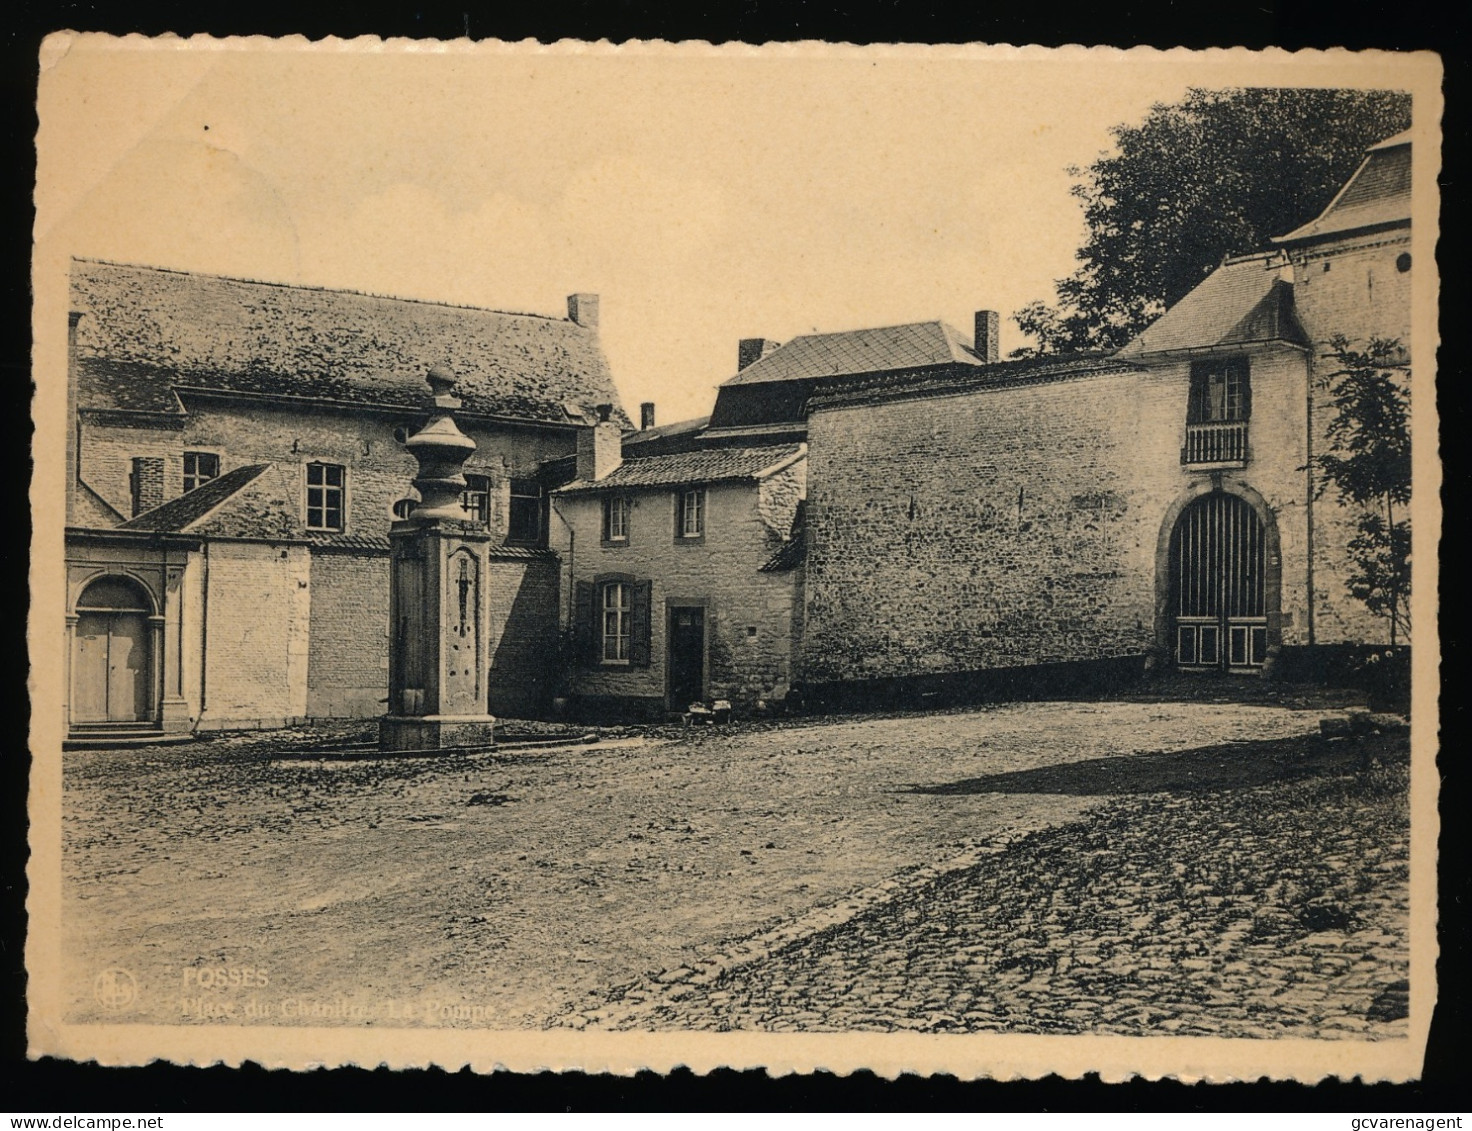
{"x":318,"y":287}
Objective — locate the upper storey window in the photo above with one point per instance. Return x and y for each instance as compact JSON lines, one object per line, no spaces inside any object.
{"x":199,"y":469}
{"x":1217,"y":411}
{"x":326,"y":496}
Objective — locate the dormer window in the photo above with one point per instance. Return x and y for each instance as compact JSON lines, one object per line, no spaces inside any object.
{"x":1217,"y":412}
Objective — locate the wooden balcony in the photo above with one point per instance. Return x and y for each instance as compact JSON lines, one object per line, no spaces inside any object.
{"x":1217,"y":442}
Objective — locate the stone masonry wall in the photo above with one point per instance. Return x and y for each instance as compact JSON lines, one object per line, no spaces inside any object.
{"x":257,"y":630}
{"x":749,"y":614}
{"x":1020,"y":526}
{"x":348,"y":671}
{"x":1352,"y":287}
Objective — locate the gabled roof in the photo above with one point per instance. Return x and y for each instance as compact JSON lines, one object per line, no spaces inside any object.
{"x":911,"y":346}
{"x":710,"y":465}
{"x":1377,"y":196}
{"x":146,"y":331}
{"x":1244,"y":301}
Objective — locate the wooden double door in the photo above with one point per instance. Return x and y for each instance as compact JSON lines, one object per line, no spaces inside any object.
{"x":1219,"y":585}
{"x":112,"y":664}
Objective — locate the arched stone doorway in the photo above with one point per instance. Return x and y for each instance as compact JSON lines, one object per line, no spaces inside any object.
{"x":1218,"y":583}
{"x":113,"y":653}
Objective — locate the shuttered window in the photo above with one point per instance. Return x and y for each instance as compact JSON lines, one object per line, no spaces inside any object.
{"x":612,"y":622}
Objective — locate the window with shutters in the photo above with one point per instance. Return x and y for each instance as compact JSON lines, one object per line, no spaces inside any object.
{"x":326,"y":495}
{"x":690,"y":515}
{"x":616,"y":518}
{"x":611,"y":623}
{"x":199,"y":469}
{"x":615,"y":622}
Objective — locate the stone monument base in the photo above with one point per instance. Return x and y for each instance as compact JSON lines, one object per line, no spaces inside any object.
{"x":435,"y":732}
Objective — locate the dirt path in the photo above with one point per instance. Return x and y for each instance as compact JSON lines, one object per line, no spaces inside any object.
{"x":497,"y":891}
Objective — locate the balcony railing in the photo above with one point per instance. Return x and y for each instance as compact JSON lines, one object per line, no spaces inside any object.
{"x":1220,"y":441}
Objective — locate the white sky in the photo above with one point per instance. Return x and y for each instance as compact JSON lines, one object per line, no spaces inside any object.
{"x":705,"y":199}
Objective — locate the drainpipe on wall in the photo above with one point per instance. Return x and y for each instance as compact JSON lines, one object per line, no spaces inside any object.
{"x":1308,"y":468}
{"x":572,"y":536}
{"x":204,"y":633}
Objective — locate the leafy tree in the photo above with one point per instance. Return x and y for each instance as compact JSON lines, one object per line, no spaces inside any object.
{"x":1368,"y":463}
{"x":1219,"y":173}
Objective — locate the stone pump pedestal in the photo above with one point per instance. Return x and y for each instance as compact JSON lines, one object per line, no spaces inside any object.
{"x":438,"y":655}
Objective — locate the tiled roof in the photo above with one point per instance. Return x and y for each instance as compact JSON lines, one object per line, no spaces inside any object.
{"x":1379,"y":194}
{"x":912,"y":346}
{"x":348,"y":542}
{"x":146,"y":331}
{"x":1000,"y":375}
{"x":1243,"y":301}
{"x":712,"y":465}
{"x":178,"y":514}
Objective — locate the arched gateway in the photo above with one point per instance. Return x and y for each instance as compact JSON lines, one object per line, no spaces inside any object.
{"x":112,"y":662}
{"x":1221,"y":573}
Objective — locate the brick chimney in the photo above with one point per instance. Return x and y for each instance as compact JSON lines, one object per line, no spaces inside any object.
{"x":600,"y":448}
{"x":987,"y":332}
{"x":583,"y":309}
{"x":646,"y":416}
{"x":751,"y":350}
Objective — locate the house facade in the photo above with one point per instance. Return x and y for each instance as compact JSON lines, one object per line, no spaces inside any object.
{"x":233,"y":468}
{"x":1155,"y":508}
{"x":684,"y":575}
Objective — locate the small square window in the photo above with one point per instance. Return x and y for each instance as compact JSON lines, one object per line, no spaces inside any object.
{"x":616,"y":518}
{"x":199,"y":469}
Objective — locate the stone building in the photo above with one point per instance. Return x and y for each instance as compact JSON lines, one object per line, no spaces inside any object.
{"x":233,"y":469}
{"x":684,"y":572}
{"x":1098,"y":515}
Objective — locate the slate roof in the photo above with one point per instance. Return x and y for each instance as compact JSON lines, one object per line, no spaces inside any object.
{"x":911,"y":346}
{"x":1378,"y":195}
{"x":709,"y":465}
{"x":665,"y":433}
{"x":179,"y":513}
{"x":1244,"y":301}
{"x":999,"y":375}
{"x":146,"y":331}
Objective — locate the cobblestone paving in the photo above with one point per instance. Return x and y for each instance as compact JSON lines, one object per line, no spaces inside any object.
{"x":498,"y":890}
{"x":1277,"y":909}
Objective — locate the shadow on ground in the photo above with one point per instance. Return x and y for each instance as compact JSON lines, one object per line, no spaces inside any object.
{"x":1235,"y":765}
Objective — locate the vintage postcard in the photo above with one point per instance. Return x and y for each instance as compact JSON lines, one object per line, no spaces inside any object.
{"x":793,"y":556}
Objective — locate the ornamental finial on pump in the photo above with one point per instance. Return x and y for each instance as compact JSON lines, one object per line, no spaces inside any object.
{"x":440,"y":449}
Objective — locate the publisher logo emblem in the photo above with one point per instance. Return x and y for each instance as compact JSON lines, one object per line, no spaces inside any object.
{"x":114,"y":988}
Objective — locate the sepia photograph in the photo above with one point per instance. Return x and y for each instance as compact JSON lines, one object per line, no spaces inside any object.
{"x":807,"y":556}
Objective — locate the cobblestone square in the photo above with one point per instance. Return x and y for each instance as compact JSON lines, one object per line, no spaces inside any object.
{"x":1126,"y":867}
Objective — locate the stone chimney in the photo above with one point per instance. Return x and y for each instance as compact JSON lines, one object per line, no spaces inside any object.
{"x":583,"y":309}
{"x":600,"y":448}
{"x":646,"y":416}
{"x":987,"y":332}
{"x":751,"y":350}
